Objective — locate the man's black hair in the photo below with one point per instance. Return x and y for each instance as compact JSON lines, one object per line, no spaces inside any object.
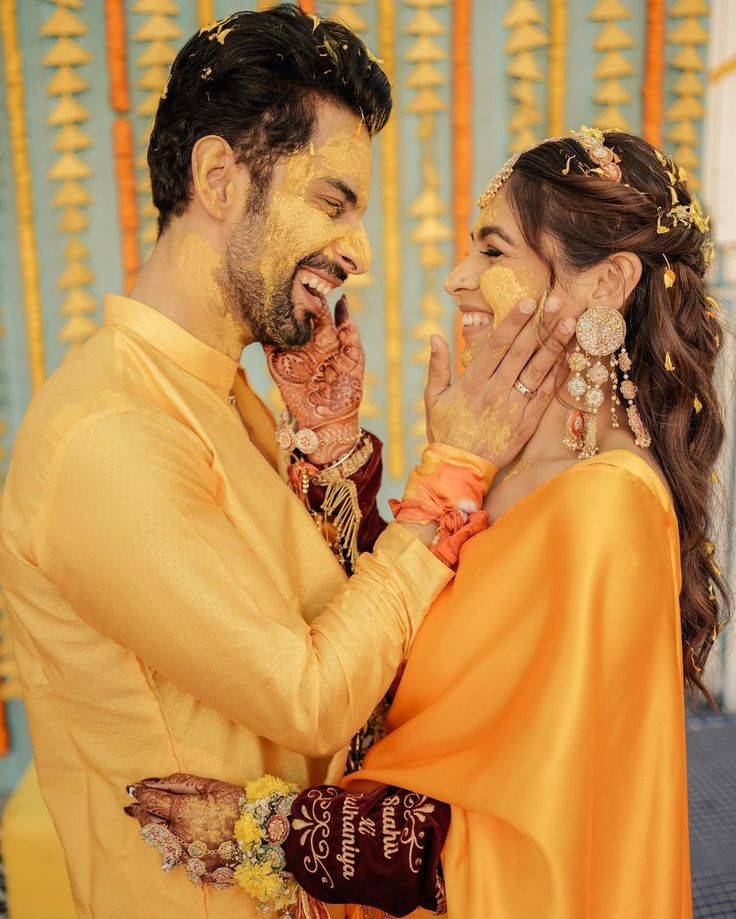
{"x":253,"y":79}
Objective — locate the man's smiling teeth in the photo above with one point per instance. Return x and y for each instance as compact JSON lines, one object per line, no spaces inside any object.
{"x":479,"y":319}
{"x":316,"y":283}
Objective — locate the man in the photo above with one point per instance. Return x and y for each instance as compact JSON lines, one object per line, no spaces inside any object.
{"x":173,"y":606}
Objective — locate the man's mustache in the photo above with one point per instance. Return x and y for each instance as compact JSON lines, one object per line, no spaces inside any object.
{"x":322,"y":263}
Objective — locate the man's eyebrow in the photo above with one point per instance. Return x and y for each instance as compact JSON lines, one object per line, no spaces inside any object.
{"x":350,"y":197}
{"x":492,"y":229}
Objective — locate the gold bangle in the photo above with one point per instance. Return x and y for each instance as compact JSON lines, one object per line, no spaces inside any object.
{"x":348,"y":465}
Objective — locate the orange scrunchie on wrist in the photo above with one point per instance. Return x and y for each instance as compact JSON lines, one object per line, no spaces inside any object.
{"x":447,"y":488}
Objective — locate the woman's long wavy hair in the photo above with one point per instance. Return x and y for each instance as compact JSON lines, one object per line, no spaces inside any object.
{"x":577,"y":219}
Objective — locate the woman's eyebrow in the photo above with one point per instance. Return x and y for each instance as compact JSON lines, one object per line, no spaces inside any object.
{"x":495,"y":230}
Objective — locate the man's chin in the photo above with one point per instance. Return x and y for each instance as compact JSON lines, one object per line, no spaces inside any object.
{"x":290,"y":332}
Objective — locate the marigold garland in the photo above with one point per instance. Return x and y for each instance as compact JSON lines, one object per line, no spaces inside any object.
{"x":462,"y":134}
{"x":685,"y":115}
{"x":124,"y":152}
{"x":390,"y":201}
{"x":557,"y":72}
{"x":611,"y":40}
{"x":117,"y":56}
{"x":23,"y":186}
{"x":205,"y":12}
{"x":654,"y":70}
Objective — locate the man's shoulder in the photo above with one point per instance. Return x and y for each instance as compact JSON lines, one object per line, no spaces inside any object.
{"x":92,"y":402}
{"x":89,"y":382}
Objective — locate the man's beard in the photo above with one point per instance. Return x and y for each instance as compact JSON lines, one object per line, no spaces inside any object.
{"x":271,"y":315}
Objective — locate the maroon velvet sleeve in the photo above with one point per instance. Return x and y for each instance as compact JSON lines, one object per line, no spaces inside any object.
{"x":367,"y":480}
{"x":380,"y":848}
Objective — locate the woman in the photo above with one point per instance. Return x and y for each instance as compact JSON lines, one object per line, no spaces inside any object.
{"x":549,"y":713}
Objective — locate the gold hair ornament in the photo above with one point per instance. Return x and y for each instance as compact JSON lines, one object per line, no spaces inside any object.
{"x":592,"y":140}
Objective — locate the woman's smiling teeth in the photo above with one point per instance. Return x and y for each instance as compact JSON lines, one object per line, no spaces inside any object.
{"x":479,"y":319}
{"x":314,"y":282}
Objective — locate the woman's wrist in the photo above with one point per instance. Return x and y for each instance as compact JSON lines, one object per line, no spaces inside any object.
{"x":424,"y":532}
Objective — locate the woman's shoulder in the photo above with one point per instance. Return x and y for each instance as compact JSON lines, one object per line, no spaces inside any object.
{"x":615,"y":474}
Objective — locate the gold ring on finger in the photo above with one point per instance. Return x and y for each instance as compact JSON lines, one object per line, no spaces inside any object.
{"x":524,"y":390}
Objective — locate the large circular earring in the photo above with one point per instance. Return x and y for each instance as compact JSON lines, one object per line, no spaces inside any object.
{"x":600,"y":331}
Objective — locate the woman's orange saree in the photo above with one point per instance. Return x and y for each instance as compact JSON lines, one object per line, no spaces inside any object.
{"x":543,"y":700}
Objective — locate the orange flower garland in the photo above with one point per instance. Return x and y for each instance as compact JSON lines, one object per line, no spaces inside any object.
{"x":117,"y":59}
{"x":122,"y":140}
{"x":654,"y":68}
{"x":124,"y":150}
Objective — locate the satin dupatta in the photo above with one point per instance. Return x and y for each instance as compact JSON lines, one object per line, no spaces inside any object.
{"x":543,"y":700}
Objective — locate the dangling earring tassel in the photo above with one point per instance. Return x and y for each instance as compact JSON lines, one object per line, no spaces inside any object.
{"x":628,"y":390}
{"x":574,"y":431}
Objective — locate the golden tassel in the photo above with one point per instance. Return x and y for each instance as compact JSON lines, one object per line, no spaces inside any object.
{"x":342,"y":508}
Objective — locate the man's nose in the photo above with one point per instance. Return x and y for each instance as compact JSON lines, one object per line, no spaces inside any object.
{"x":353,"y":251}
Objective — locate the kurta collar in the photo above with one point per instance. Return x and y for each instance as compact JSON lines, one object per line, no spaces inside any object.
{"x":180,"y":346}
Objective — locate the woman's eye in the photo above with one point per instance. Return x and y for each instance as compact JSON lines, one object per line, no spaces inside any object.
{"x":491,"y":253}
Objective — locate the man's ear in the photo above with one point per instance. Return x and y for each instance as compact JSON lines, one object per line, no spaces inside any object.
{"x":613,"y":280}
{"x":216,"y":177}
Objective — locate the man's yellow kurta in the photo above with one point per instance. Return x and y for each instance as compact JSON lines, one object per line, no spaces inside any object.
{"x":173,"y":606}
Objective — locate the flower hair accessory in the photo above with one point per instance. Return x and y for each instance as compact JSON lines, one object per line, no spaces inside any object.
{"x":605,"y":158}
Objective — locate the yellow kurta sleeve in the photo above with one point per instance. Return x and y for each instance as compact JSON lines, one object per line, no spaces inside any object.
{"x":552,"y":720}
{"x":131,"y":534}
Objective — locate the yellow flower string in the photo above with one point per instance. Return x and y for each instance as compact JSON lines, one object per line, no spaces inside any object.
{"x":261,"y":828}
{"x":247,"y":830}
{"x":267,"y":786}
{"x":557,"y":68}
{"x":23,"y":184}
{"x":390,"y":201}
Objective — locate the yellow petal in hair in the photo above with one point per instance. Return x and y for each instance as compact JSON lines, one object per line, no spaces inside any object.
{"x":668,"y":365}
{"x":669,"y":277}
{"x":709,"y":547}
{"x":712,"y":596}
{"x":661,"y":228}
{"x":714,"y":304}
{"x":714,"y":477}
{"x":697,"y":405}
{"x":315,"y":20}
{"x":566,"y":170}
